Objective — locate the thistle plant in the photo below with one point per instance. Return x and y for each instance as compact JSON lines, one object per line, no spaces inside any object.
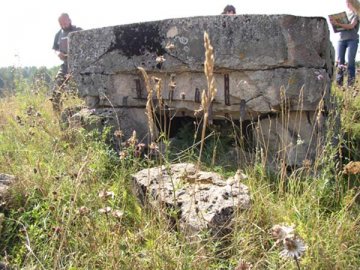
{"x":293,"y":246}
{"x":243,"y":265}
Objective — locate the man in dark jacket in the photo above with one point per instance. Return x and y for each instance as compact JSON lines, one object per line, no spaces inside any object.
{"x":61,"y":48}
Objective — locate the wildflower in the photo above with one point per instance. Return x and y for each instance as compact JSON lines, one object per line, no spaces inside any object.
{"x":117,"y":214}
{"x":154,"y":146}
{"x":306,"y":163}
{"x":105,"y":210}
{"x":123,"y":155}
{"x":353,"y":167}
{"x":83,"y":211}
{"x":106,"y":194}
{"x":239,"y":175}
{"x":280,"y":232}
{"x":139,"y":148}
{"x":118,"y":133}
{"x":243,"y":265}
{"x":294,"y":248}
{"x":132,"y":140}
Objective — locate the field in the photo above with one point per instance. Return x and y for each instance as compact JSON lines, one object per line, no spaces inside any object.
{"x":72,"y":206}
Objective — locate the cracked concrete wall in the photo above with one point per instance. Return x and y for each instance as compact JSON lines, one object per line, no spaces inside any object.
{"x":256,"y":54}
{"x":255,"y":57}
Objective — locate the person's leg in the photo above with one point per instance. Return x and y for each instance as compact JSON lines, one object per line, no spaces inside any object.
{"x":58,"y":88}
{"x":342,"y":44}
{"x":352,"y":50}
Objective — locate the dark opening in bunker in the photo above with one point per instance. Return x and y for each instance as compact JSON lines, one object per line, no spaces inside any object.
{"x":188,"y":130}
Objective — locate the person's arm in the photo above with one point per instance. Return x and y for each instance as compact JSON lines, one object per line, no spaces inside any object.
{"x":56,"y":48}
{"x":61,"y":55}
{"x":347,"y":26}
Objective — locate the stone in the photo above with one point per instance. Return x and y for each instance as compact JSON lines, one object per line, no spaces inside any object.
{"x":127,"y":120}
{"x":5,"y":181}
{"x":202,"y":200}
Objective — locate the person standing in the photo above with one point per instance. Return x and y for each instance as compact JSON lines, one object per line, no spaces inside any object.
{"x":60,"y":47}
{"x":349,"y":40}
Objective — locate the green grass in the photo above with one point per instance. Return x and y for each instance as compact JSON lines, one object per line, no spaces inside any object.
{"x":52,"y":220}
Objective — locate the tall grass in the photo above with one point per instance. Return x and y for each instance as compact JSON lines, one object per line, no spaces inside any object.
{"x":58,"y":217}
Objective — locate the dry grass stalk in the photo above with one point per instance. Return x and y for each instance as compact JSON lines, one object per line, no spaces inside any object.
{"x":208,"y":95}
{"x":149,"y":104}
{"x":158,"y":91}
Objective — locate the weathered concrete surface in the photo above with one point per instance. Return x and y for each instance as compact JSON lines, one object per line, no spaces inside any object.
{"x":125,"y":119}
{"x":293,"y":138}
{"x":243,"y":42}
{"x":202,"y":200}
{"x":260,"y":91}
{"x":259,"y":54}
{"x":255,"y":57}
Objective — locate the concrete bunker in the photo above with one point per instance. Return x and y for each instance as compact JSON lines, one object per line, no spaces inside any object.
{"x":271,"y":70}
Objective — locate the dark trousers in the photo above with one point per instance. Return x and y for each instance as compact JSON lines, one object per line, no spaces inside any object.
{"x":60,"y":81}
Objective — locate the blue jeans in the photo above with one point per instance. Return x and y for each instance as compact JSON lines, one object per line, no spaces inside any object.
{"x":351,"y":46}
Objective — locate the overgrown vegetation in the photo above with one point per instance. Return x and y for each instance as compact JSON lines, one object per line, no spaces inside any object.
{"x":72,"y":206}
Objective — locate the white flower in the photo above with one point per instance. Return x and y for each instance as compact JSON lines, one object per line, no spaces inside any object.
{"x":280,"y":232}
{"x":105,"y":210}
{"x":106,"y":194}
{"x":117,"y":213}
{"x":294,"y":248}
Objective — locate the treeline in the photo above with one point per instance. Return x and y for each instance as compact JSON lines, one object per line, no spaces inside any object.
{"x":11,"y":77}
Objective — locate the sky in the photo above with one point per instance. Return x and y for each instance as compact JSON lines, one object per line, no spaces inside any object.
{"x":28,"y":27}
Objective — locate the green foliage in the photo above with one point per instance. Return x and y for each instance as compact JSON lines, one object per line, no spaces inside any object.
{"x":350,"y":101}
{"x":18,"y":78}
{"x":58,"y":219}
